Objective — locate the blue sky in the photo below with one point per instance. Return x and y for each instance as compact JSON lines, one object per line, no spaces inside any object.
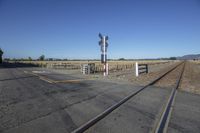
{"x":69,"y":28}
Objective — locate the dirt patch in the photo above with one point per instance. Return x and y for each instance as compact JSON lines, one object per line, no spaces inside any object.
{"x":190,"y":81}
{"x":191,"y":78}
{"x":143,"y":79}
{"x":167,"y":81}
{"x":170,"y":80}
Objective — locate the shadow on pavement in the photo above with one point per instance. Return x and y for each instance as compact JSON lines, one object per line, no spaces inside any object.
{"x":16,"y":65}
{"x":16,"y":78}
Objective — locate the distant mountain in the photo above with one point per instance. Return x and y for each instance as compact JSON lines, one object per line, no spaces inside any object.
{"x":189,"y":57}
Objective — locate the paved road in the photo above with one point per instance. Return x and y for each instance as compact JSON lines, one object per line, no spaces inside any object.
{"x":29,"y":104}
{"x":140,"y":114}
{"x":186,"y":114}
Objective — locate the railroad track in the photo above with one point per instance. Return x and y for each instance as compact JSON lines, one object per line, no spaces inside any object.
{"x":164,"y":120}
{"x":162,"y":124}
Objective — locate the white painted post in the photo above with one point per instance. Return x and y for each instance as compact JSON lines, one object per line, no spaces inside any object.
{"x":107,"y":68}
{"x":136,"y":69}
{"x":104,"y":54}
{"x":104,"y":70}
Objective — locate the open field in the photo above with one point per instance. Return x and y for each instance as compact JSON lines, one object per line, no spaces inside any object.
{"x":75,"y":65}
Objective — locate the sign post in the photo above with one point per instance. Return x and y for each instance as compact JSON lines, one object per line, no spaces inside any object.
{"x":104,"y":45}
{"x":136,"y":69}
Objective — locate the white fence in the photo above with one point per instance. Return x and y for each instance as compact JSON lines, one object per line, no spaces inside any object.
{"x":140,"y":68}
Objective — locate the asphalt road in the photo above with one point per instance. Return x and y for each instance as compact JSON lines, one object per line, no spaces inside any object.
{"x":185,"y":117}
{"x":31,"y":103}
{"x":139,"y":115}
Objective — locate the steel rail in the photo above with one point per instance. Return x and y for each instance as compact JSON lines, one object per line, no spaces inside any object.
{"x":164,"y":121}
{"x":100,"y":116}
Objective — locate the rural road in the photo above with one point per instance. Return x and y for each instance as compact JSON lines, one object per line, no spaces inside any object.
{"x":34,"y":100}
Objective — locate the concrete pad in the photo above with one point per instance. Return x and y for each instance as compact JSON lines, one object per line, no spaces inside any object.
{"x":53,"y":123}
{"x":140,"y":114}
{"x":185,"y":116}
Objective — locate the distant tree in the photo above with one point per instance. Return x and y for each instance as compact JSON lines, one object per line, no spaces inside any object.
{"x":172,"y":58}
{"x":22,"y":59}
{"x":121,"y":59}
{"x":58,"y":59}
{"x":65,"y":59}
{"x":41,"y":58}
{"x":1,"y":54}
{"x":30,"y":59}
{"x":6,"y":59}
{"x":50,"y":59}
{"x":13,"y":59}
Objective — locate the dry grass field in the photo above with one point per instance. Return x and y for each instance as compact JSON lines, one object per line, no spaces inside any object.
{"x":113,"y":65}
{"x":191,"y":77}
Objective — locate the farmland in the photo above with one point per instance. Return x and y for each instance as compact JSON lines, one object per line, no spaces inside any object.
{"x":113,"y":65}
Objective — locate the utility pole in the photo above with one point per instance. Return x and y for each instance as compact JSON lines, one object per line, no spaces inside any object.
{"x":104,"y":45}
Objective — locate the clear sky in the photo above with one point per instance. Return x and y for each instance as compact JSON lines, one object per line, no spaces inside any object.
{"x":69,"y":28}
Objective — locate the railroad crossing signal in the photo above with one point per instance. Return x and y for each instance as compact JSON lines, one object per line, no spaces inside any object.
{"x":104,"y":45}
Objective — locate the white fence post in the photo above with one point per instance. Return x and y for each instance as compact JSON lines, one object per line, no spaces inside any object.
{"x":136,"y":69}
{"x":107,"y":68}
